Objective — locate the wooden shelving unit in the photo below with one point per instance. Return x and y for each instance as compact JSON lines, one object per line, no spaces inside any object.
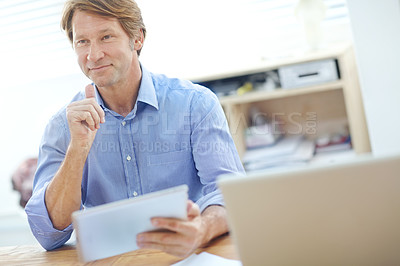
{"x":312,"y":110}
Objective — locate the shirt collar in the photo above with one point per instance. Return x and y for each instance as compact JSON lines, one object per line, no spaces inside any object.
{"x":98,"y":97}
{"x":147,"y":92}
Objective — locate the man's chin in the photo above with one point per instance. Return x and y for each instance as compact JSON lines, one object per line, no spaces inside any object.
{"x":100,"y":82}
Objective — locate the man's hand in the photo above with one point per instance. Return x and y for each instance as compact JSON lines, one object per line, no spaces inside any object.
{"x":182,"y":238}
{"x":84,"y":118}
{"x":63,"y":194}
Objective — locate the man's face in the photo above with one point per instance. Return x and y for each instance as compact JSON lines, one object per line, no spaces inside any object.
{"x":103,"y":48}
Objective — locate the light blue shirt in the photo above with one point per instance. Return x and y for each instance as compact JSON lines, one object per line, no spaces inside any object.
{"x":176,"y":134}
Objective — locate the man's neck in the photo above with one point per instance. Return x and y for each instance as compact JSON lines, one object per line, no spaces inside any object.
{"x":121,"y":97}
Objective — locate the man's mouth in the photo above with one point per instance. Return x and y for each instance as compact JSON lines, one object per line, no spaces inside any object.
{"x":97,"y":68}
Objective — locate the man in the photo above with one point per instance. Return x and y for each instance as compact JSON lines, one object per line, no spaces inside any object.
{"x":130,"y":133}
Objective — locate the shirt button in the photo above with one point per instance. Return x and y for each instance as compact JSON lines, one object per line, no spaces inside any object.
{"x":135,"y":193}
{"x":129,"y":158}
{"x":123,"y":123}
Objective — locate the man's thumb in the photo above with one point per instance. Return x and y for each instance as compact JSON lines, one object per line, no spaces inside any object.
{"x":89,"y":91}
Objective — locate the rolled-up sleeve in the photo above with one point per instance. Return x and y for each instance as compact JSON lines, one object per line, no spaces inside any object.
{"x":41,"y":225}
{"x":51,"y":154}
{"x":214,"y":151}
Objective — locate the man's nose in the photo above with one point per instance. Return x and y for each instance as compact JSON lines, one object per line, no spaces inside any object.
{"x":95,"y":52}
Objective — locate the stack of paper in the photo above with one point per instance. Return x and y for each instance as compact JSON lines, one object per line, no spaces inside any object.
{"x":287,"y":151}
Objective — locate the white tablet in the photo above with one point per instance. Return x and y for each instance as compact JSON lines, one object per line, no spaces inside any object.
{"x":110,"y":229}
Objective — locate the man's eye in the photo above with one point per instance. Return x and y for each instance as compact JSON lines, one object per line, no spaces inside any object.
{"x":106,"y":37}
{"x":81,"y":42}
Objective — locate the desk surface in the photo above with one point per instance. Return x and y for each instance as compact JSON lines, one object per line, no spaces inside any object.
{"x":67,"y":255}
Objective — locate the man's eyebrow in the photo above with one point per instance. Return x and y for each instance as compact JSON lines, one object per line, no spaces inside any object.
{"x":77,"y":37}
{"x":106,"y":30}
{"x":81,"y":36}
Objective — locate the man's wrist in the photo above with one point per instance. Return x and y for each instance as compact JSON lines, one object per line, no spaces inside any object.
{"x":214,"y":222}
{"x":214,"y":204}
{"x":80,"y":146}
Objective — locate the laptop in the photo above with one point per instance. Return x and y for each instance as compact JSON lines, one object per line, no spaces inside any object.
{"x":339,"y":214}
{"x":110,"y":229}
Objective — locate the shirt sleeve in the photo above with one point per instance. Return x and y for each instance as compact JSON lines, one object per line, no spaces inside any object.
{"x":214,"y":151}
{"x":51,"y":154}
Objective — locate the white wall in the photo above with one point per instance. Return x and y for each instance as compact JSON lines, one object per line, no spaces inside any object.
{"x":376,"y":32}
{"x":25,"y":110}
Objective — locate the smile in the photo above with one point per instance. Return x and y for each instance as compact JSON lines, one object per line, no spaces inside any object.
{"x":98,"y":68}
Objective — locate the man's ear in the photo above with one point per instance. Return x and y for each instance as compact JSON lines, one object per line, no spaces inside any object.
{"x":138,"y":43}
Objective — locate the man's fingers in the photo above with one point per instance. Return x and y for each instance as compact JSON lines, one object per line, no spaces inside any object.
{"x":174,"y":225}
{"x":89,"y":91}
{"x":185,"y":234}
{"x":193,"y":210}
{"x":89,"y":121}
{"x":84,"y":117}
{"x":165,"y":238}
{"x":169,"y":242}
{"x":85,"y":112}
{"x":91,"y":94}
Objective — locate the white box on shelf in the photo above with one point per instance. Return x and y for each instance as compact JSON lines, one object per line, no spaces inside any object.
{"x":309,"y":73}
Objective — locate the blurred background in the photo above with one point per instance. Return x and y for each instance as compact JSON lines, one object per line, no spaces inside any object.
{"x":186,"y":39}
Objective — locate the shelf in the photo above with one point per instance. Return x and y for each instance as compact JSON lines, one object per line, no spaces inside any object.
{"x":256,"y":96}
{"x":312,"y":110}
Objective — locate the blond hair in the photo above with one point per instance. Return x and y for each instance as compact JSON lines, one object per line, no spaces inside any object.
{"x":126,"y":11}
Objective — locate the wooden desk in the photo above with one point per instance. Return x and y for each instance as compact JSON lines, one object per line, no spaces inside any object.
{"x":67,"y":255}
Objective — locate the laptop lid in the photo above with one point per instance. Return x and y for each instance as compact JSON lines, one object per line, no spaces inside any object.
{"x":341,"y":214}
{"x":110,"y":229}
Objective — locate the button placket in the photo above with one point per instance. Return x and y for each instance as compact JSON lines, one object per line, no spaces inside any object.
{"x":131,"y":174}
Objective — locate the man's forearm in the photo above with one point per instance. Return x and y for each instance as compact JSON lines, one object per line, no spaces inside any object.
{"x":63,"y":195}
{"x":214,"y":219}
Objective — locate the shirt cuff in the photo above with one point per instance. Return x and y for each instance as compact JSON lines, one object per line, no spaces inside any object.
{"x":41,"y":225}
{"x":212,"y":198}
